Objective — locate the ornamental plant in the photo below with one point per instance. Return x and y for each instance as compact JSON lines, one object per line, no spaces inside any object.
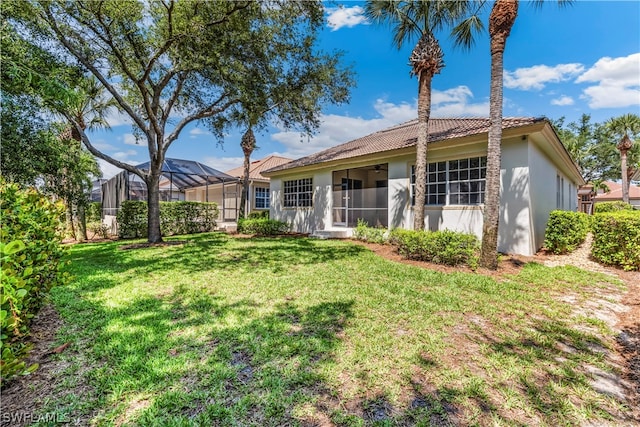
{"x":616,"y":239}
{"x":566,"y":230}
{"x":31,"y":259}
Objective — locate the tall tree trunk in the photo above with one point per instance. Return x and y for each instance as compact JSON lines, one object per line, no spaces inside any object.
{"x":154,"y":235}
{"x":71,"y":231}
{"x":82,"y":222}
{"x":503,"y":16}
{"x":248,"y":144}
{"x":424,"y":111}
{"x":625,"y":176}
{"x":245,"y":185}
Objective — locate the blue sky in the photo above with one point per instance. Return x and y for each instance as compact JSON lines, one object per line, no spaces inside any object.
{"x":584,"y":58}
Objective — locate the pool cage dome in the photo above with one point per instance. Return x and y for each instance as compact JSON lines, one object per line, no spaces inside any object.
{"x":177,"y":175}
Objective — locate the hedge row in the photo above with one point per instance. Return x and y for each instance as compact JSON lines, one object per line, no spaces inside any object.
{"x":30,"y":253}
{"x":566,"y":230}
{"x":441,"y":247}
{"x":262,"y":226}
{"x":175,"y":218}
{"x":616,"y":206}
{"x":616,"y":239}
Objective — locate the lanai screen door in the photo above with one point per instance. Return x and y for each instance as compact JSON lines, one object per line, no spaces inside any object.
{"x":360,"y":193}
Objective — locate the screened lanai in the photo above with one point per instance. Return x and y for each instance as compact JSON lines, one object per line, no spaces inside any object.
{"x":177,"y":175}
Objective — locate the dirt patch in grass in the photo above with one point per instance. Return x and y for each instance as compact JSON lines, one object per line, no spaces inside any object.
{"x":23,"y":398}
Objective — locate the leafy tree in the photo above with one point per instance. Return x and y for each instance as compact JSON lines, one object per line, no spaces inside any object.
{"x":503,"y":16}
{"x":620,"y":128}
{"x":589,"y":146}
{"x":169,"y":63}
{"x":36,"y":149}
{"x":421,"y":20}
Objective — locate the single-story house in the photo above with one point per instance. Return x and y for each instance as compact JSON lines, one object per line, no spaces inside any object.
{"x":258,"y":196}
{"x":372,"y":178}
{"x":615,"y":194}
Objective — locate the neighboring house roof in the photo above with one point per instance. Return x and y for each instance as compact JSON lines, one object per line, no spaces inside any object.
{"x":258,"y":166}
{"x":615,"y":192}
{"x":405,"y":135}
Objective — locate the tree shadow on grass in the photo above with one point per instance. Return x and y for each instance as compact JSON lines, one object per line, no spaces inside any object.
{"x":554,"y":380}
{"x":196,"y":359}
{"x":213,"y":251}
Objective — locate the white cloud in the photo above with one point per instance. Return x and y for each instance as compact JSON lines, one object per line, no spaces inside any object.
{"x":108,"y":170}
{"x":454,"y":102}
{"x":335,"y":129}
{"x":130,"y":139}
{"x":195,"y":132}
{"x":562,"y":101}
{"x":223,"y":163}
{"x":124,"y":155}
{"x":345,"y":17}
{"x":537,"y":76}
{"x":117,"y":118}
{"x":618,"y":82}
{"x":103,"y":145}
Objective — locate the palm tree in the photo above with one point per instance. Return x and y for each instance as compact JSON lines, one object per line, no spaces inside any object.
{"x":503,"y":16}
{"x":421,"y":20}
{"x":89,"y":110}
{"x":620,"y":128}
{"x":248,"y":144}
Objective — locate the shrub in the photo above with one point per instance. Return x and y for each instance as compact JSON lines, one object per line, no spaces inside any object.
{"x":98,"y":229}
{"x":132,"y":219}
{"x":258,"y":215}
{"x":565,"y":231}
{"x":441,"y":247}
{"x":94,"y":212}
{"x":30,"y":255}
{"x":175,"y":218}
{"x":262,"y":226}
{"x":370,"y":234}
{"x":612,"y":207}
{"x":616,"y":239}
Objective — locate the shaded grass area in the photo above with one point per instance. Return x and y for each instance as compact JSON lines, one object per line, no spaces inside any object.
{"x":294,"y":331}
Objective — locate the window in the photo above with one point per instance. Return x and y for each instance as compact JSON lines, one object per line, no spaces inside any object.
{"x":559,"y":192}
{"x":298,"y":193}
{"x":455,"y":182}
{"x":262,"y":198}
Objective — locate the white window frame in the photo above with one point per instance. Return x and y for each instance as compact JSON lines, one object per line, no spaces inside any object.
{"x":454,"y":182}
{"x":298,"y":193}
{"x":263,"y":195}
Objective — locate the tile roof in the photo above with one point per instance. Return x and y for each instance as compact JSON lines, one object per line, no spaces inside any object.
{"x":405,"y":135}
{"x":258,"y":166}
{"x":615,"y":192}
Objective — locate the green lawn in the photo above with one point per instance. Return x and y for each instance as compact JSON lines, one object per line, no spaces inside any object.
{"x":294,"y":331}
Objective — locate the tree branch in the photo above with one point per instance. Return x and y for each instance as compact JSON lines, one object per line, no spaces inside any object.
{"x":212,"y":110}
{"x":98,"y":153}
{"x":85,"y":61}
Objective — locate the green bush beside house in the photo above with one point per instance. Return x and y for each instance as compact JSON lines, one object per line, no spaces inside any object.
{"x":31,"y":257}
